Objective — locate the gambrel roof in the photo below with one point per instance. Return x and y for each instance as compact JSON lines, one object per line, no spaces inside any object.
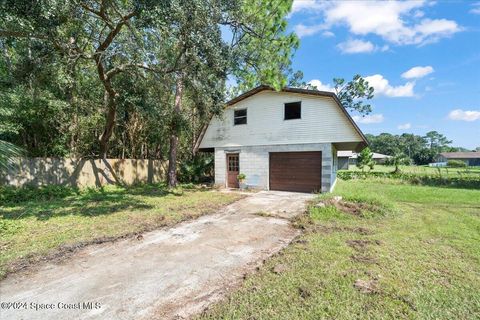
{"x":300,"y":91}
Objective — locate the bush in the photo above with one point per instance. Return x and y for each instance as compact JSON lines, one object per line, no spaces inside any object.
{"x":198,"y":169}
{"x":456,"y":163}
{"x":10,"y":195}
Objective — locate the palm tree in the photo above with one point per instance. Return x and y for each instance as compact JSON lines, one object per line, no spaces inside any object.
{"x":397,"y":160}
{"x":8,"y":152}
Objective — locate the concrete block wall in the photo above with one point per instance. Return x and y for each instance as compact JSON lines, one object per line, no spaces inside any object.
{"x":254,"y":163}
{"x":334,"y":168}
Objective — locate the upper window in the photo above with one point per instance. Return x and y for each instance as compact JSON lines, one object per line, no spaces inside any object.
{"x":240,"y":116}
{"x":293,"y":110}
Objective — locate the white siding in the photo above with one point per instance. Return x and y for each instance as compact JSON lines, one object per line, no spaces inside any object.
{"x":322,"y":122}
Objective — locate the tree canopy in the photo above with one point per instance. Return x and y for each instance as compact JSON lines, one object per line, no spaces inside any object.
{"x":121,"y":79}
{"x":420,"y":149}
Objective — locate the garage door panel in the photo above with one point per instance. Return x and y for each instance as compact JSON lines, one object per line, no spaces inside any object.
{"x":296,"y":171}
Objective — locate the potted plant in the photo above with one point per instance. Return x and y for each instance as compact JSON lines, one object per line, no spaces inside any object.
{"x":241,"y":181}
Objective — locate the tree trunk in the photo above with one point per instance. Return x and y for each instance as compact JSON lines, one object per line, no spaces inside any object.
{"x":172,"y":158}
{"x":109,"y":99}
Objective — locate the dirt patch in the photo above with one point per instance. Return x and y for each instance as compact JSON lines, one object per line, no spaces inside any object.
{"x":330,"y":229}
{"x":301,"y":241}
{"x":356,"y":208}
{"x":304,"y":293}
{"x":366,"y":286}
{"x":363,"y":258}
{"x":353,"y":208}
{"x":279,"y":268}
{"x":361,"y":245}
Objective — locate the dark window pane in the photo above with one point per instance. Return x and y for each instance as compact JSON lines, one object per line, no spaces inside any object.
{"x":242,"y":120}
{"x":240,"y":116}
{"x":241,"y":113}
{"x":293,"y":110}
{"x":233,"y":163}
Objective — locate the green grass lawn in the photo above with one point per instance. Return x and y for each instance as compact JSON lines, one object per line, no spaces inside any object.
{"x":426,"y":170}
{"x":31,"y":229}
{"x":417,"y":255}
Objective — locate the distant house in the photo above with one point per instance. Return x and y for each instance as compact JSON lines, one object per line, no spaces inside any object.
{"x":470,"y":158}
{"x":349,"y":157}
{"x":281,"y":140}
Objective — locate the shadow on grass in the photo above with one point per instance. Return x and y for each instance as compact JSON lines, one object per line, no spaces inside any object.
{"x":55,"y":201}
{"x":88,"y":202}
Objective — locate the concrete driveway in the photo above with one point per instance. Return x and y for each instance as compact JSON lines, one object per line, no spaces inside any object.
{"x":170,"y":273}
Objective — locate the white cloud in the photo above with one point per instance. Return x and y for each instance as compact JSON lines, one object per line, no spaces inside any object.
{"x":304,"y":5}
{"x":404,"y":126}
{"x":417,"y":72}
{"x":328,"y":34}
{"x":463,"y":115}
{"x":382,"y":87}
{"x":418,"y":14}
{"x":398,"y":22}
{"x":320,"y":86}
{"x":356,"y":46}
{"x":359,"y":46}
{"x":476,"y":8}
{"x":372,"y":118}
{"x":303,"y":31}
{"x":429,"y":31}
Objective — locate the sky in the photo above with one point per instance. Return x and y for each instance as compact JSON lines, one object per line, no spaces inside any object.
{"x":422,"y":58}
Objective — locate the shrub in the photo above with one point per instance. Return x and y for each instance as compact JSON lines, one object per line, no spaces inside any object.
{"x":456,"y":163}
{"x":241,"y":176}
{"x":10,"y":195}
{"x":198,"y":169}
{"x":365,"y":159}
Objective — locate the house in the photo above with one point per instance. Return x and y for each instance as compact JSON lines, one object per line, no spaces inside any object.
{"x":470,"y":158}
{"x":281,"y":140}
{"x":346,"y":158}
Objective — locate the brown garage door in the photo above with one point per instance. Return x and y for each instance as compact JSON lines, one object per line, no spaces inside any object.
{"x":296,"y":171}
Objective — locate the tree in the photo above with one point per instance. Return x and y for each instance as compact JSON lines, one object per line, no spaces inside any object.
{"x":352,"y":94}
{"x":398,"y":160}
{"x":365,"y":159}
{"x":107,"y":34}
{"x":436,"y":141}
{"x":384,"y":143}
{"x":420,"y":149}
